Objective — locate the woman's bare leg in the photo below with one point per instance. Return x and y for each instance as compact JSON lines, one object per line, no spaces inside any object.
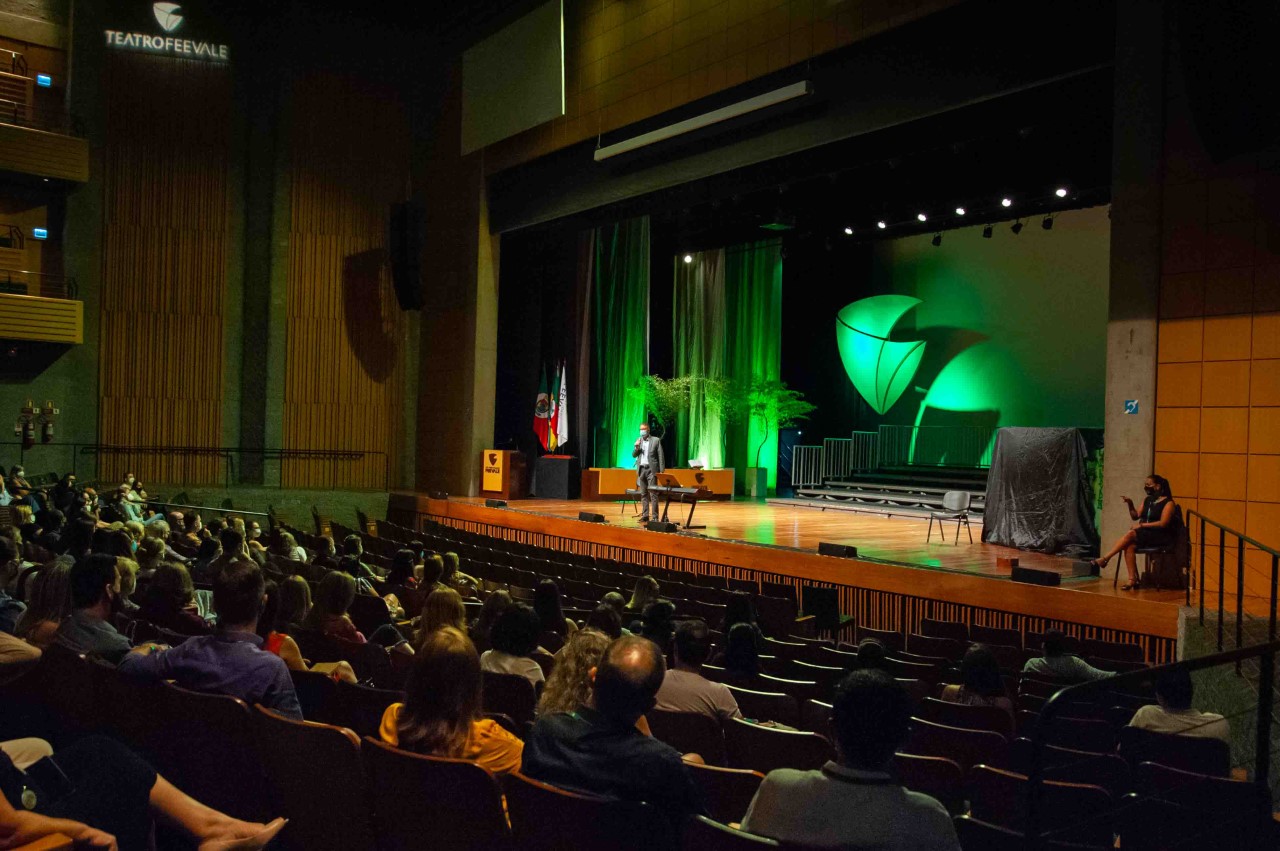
{"x":1131,"y":562}
{"x":205,"y":824}
{"x":1127,"y":540}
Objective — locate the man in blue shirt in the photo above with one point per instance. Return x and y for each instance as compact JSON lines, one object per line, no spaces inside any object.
{"x":232,"y":661}
{"x":10,"y":564}
{"x":95,"y":597}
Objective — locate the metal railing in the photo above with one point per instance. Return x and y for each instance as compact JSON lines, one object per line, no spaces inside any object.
{"x":807,"y":466}
{"x":21,"y":282}
{"x":866,"y":450}
{"x":935,"y":446}
{"x":1246,"y":552}
{"x":11,"y":236}
{"x":16,"y":61}
{"x":837,"y":455}
{"x":1138,"y":681}
{"x":38,"y":116}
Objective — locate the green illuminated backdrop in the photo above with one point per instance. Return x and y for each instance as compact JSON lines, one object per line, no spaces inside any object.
{"x":621,"y":344}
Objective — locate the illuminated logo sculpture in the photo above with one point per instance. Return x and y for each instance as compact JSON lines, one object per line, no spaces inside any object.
{"x":168,"y":15}
{"x":880,"y":368}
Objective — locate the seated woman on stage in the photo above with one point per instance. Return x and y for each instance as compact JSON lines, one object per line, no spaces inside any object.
{"x":1153,"y":527}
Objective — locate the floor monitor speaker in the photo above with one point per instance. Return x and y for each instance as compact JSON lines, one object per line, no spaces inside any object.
{"x":1033,"y":576}
{"x":826,"y":548}
{"x":495,"y":503}
{"x":590,"y":517}
{"x":660,"y":526}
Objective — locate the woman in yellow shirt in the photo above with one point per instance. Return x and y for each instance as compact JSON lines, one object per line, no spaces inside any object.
{"x":441,"y":714}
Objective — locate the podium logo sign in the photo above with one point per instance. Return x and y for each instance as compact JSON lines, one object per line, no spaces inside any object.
{"x":491,"y":474}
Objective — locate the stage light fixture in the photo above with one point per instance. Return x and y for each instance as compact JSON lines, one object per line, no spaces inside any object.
{"x":1016,"y":227}
{"x":921,"y":217}
{"x":1006,"y":202}
{"x":848,"y":231}
{"x":881,"y":225}
{"x":1047,"y":224}
{"x":688,"y":258}
{"x":937,"y":240}
{"x":959,"y":211}
{"x":1061,"y":192}
{"x":986,"y":232}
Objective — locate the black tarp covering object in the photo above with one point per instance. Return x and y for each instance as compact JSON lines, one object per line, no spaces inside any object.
{"x":1038,"y":492}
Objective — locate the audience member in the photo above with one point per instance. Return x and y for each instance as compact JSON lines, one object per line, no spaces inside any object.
{"x":295,"y":603}
{"x":494,"y":605}
{"x":981,"y":683}
{"x":644,"y":593}
{"x":596,"y":749}
{"x":326,"y":553}
{"x":684,"y":689}
{"x":443,"y":608}
{"x":617,"y":602}
{"x":206,"y":554}
{"x":1057,"y":662}
{"x":10,"y":609}
{"x":287,"y":547}
{"x":63,"y":495}
{"x":51,"y":522}
{"x":233,"y":549}
{"x":555,"y":626}
{"x":853,"y":802}
{"x":513,"y":639}
{"x":658,"y":624}
{"x":741,"y":656}
{"x":50,"y":603}
{"x":441,"y":714}
{"x":352,"y":563}
{"x":193,"y":531}
{"x":465,"y":585}
{"x":432,"y":571}
{"x":871,"y":653}
{"x":124,"y":507}
{"x":128,"y":585}
{"x":78,"y":538}
{"x":569,"y":685}
{"x":604,"y":618}
{"x":403,"y":573}
{"x":170,"y":602}
{"x":333,"y":598}
{"x":111,"y":797}
{"x":1174,"y":713}
{"x":740,"y":608}
{"x":95,"y":597}
{"x":282,"y":644}
{"x":230,"y":662}
{"x":16,"y":658}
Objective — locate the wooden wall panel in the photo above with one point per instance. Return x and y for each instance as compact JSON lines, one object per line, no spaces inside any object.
{"x":27,"y":151}
{"x":166,"y":227}
{"x":348,"y":152}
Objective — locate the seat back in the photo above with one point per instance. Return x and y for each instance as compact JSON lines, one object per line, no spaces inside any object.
{"x":314,"y":772}
{"x":370,"y":661}
{"x":703,"y":834}
{"x":766,"y":705}
{"x":1073,"y":766}
{"x":1084,"y":734}
{"x":727,"y":792}
{"x":991,"y":718}
{"x":966,"y":747}
{"x":1118,"y":650}
{"x":1215,"y":798}
{"x":777,"y":615}
{"x":360,"y":708}
{"x":979,"y":634}
{"x":1189,"y":753}
{"x":940,"y":778}
{"x":891,"y":639}
{"x":1068,"y":811}
{"x":510,"y":694}
{"x":545,"y":818}
{"x":815,"y":716}
{"x":766,"y":748}
{"x":426,"y":801}
{"x":315,"y":691}
{"x":823,"y":604}
{"x":928,"y":645}
{"x":689,"y":732}
{"x":957,"y":500}
{"x":955,"y":630}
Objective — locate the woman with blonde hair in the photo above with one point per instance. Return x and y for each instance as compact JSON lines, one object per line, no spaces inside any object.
{"x":442,"y":608}
{"x":570,"y":682}
{"x":645,"y":592}
{"x":442,"y":715}
{"x":49,"y":604}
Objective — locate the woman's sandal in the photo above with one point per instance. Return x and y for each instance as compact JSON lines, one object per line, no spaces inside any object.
{"x":1131,"y":586}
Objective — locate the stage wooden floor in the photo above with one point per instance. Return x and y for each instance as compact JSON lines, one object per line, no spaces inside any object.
{"x":898,"y":540}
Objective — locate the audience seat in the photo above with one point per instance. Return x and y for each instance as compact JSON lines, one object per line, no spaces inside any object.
{"x":545,"y":818}
{"x":767,"y":705}
{"x":360,"y":708}
{"x":510,"y":694}
{"x":935,"y":628}
{"x":1211,"y":798}
{"x":975,"y":835}
{"x":371,"y":662}
{"x":991,"y":718}
{"x":1010,"y":658}
{"x":966,"y":747}
{"x":815,"y":716}
{"x":891,"y":639}
{"x":703,"y":834}
{"x":315,"y":691}
{"x":315,"y":773}
{"x":941,"y":778}
{"x":1188,"y":753}
{"x":1072,"y":812}
{"x":689,"y":732}
{"x":1119,"y":650}
{"x":928,"y":645}
{"x":979,"y":634}
{"x":53,"y":700}
{"x":799,"y":689}
{"x":1084,"y":734}
{"x":727,"y":792}
{"x":424,"y":801}
{"x":766,"y":748}
{"x":1073,"y":766}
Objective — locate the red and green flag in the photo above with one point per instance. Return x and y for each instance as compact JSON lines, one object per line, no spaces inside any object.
{"x":542,"y":413}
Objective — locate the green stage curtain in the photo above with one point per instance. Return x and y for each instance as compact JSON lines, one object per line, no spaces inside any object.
{"x":699,"y":328}
{"x":621,"y":328}
{"x":753,"y":346}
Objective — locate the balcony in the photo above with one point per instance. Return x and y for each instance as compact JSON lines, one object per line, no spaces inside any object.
{"x":37,"y":136}
{"x":40,"y":308}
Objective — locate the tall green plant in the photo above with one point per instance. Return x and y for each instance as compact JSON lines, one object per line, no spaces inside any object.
{"x":774,"y":405}
{"x":662,"y":398}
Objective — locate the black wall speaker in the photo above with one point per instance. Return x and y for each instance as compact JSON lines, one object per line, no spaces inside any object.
{"x":495,"y":503}
{"x":1032,"y":576}
{"x":589,"y":517}
{"x":438,"y":494}
{"x":405,"y":247}
{"x":826,"y":548}
{"x":659,"y":526}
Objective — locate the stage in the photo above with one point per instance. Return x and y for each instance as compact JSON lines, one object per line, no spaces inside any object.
{"x":897,"y":577}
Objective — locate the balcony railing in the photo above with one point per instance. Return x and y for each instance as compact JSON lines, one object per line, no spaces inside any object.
{"x":19,"y":282}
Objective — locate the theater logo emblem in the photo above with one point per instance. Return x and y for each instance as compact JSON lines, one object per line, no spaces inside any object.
{"x":168,"y":15}
{"x":879,"y":367}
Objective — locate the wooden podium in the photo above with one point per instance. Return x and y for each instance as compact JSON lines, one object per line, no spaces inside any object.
{"x":504,"y":474}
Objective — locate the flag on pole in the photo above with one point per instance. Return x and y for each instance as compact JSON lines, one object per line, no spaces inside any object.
{"x":542,"y":412}
{"x":554,"y":402}
{"x":560,"y":418}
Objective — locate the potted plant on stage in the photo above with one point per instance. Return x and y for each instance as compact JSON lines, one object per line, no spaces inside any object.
{"x":773,"y":406}
{"x":663,"y":399}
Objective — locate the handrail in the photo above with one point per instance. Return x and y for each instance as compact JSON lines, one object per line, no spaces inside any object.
{"x":1191,"y":512}
{"x":15,"y":234}
{"x":17,"y":62}
{"x":50,"y":285}
{"x":208,"y":508}
{"x":1262,"y":742}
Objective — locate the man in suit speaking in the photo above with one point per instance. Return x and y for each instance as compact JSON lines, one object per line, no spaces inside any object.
{"x":649,"y":463}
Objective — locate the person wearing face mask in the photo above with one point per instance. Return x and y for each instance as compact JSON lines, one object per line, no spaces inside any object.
{"x":95,"y":597}
{"x":649,"y":463}
{"x":1153,"y":527}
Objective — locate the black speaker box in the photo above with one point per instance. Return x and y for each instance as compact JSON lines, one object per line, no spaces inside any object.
{"x":1032,"y":576}
{"x":405,"y":246}
{"x":659,"y":526}
{"x":495,"y":503}
{"x":438,"y":494}
{"x":589,"y":517}
{"x":826,"y":548}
